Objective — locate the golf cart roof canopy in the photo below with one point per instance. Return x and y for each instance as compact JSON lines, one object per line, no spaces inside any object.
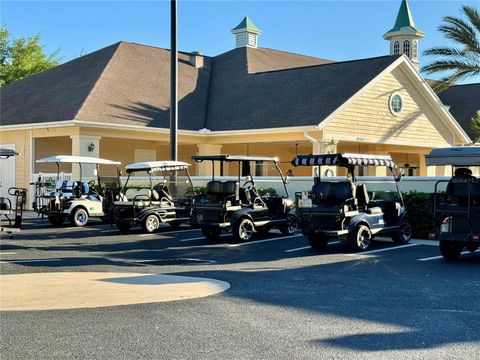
{"x":152,"y":166}
{"x":456,"y":156}
{"x":77,"y":159}
{"x":345,"y":160}
{"x":6,"y":153}
{"x":230,"y":158}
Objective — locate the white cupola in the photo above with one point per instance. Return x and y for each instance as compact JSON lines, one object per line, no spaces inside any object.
{"x":246,"y":34}
{"x":404,"y":35}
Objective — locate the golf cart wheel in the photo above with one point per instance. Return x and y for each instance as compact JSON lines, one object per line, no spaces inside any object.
{"x":124,"y":228}
{"x":404,"y":234}
{"x":362,"y":237}
{"x":211,"y":233}
{"x":151,"y":223}
{"x":450,"y":250}
{"x":243,"y":230}
{"x":290,"y":226}
{"x":79,"y":217}
{"x":318,"y":242}
{"x":56,"y":220}
{"x":175,"y":224}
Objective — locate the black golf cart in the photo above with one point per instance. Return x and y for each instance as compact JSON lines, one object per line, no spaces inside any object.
{"x":461,"y":207}
{"x":169,"y":201}
{"x":241,"y":209}
{"x":11,"y":215}
{"x":345,"y":209}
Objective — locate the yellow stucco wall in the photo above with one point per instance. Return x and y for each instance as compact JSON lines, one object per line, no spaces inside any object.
{"x":368,"y":117}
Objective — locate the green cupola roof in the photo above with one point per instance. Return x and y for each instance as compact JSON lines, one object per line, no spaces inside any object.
{"x":404,"y":23}
{"x":246,"y":25}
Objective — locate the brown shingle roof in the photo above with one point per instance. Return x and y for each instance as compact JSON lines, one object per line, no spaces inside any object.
{"x":464,"y":102}
{"x":244,"y":88}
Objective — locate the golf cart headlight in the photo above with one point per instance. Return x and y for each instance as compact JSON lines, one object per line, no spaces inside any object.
{"x":445,"y":227}
{"x":288,"y":202}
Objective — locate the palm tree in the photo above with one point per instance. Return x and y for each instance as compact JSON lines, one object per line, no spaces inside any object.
{"x":463,"y":60}
{"x":476,"y":125}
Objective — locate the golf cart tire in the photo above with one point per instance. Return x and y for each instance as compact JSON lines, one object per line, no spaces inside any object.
{"x":211,"y":233}
{"x":450,"y":250}
{"x":151,"y":223}
{"x":290,"y":226}
{"x":362,"y":237}
{"x":318,"y":242}
{"x":56,"y":221}
{"x":124,"y":228}
{"x":79,"y":217}
{"x":404,"y":234}
{"x":243,"y":229}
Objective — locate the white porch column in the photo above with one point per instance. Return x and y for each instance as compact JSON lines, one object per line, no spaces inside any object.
{"x":85,"y":145}
{"x":325,"y":147}
{"x":205,"y":168}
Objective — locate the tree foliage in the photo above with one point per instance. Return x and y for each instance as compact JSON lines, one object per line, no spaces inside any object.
{"x":476,"y":125}
{"x":463,"y":60}
{"x":22,"y":57}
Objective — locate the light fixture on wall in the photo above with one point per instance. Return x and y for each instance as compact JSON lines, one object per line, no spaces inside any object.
{"x":91,"y":147}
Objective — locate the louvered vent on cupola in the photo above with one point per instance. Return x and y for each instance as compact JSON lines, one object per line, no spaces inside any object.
{"x":246,"y":34}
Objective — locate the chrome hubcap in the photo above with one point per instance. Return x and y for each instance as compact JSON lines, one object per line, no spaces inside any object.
{"x":152,"y":223}
{"x":81,"y":217}
{"x":246,"y":230}
{"x":292,"y":224}
{"x":363,"y":239}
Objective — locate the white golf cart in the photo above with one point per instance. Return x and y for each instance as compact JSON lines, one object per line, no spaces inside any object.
{"x":8,"y":223}
{"x":169,"y":201}
{"x":461,"y":206}
{"x":75,"y":200}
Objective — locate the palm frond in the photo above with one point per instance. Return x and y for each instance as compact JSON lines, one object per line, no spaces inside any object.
{"x":455,"y":65}
{"x":444,"y":51}
{"x":473,"y":15}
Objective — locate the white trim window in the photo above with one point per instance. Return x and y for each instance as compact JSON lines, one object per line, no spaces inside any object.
{"x":406,"y":47}
{"x":396,"y":47}
{"x":395,"y":103}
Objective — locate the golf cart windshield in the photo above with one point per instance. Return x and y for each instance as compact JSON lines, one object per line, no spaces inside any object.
{"x":175,"y":178}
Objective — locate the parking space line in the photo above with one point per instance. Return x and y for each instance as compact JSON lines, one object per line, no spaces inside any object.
{"x":441,"y":257}
{"x":201,"y":237}
{"x":109,"y":231}
{"x":7,"y":253}
{"x":26,"y":261}
{"x":309,"y":247}
{"x":261,"y":241}
{"x":381,"y":250}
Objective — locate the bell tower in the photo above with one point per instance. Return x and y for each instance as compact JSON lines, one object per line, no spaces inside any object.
{"x":404,"y":35}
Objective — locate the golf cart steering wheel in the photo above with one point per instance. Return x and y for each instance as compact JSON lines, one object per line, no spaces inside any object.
{"x":248,"y":185}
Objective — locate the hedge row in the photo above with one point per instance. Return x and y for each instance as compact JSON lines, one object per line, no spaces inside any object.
{"x":419,"y":207}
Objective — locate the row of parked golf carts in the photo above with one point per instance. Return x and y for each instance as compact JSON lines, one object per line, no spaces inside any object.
{"x":344,"y":210}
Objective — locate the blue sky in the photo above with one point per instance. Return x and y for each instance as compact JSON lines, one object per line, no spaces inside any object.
{"x":337,"y":30}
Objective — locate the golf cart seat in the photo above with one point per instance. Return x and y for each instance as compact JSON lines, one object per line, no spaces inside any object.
{"x":364,"y":202}
{"x":334,"y":197}
{"x":220,"y":191}
{"x":5,"y":206}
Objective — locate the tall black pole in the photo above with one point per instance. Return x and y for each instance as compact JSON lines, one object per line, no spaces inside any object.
{"x":173,"y":81}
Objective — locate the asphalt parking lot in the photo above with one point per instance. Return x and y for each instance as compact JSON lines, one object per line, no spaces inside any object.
{"x":284,"y":301}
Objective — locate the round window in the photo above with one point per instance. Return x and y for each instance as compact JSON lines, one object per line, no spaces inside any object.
{"x":396,"y":104}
